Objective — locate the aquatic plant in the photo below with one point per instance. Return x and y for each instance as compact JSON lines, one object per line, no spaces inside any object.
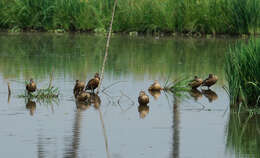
{"x":184,"y":16}
{"x":243,"y":134}
{"x":178,"y":86}
{"x":243,"y":73}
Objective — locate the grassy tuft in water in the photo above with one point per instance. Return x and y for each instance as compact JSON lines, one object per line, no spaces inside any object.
{"x":183,"y":16}
{"x":243,"y":73}
{"x":177,"y":86}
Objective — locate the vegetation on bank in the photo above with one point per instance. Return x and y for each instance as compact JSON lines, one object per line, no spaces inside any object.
{"x":243,"y":73}
{"x":176,"y":16}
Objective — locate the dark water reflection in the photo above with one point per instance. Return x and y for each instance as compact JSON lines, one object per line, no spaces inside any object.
{"x":196,"y":124}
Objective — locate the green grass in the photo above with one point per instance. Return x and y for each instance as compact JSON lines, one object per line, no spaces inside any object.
{"x":44,"y":95}
{"x":177,"y":87}
{"x":183,"y":16}
{"x":243,"y":73}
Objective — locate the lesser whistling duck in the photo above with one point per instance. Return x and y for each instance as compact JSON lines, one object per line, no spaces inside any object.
{"x":210,"y":81}
{"x":93,"y":83}
{"x":155,"y":86}
{"x":79,"y":86}
{"x":83,"y":96}
{"x":31,"y":87}
{"x":143,"y":110}
{"x":196,"y":82}
{"x":143,"y":99}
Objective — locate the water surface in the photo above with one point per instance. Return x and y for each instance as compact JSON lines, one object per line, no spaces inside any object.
{"x":171,"y":126}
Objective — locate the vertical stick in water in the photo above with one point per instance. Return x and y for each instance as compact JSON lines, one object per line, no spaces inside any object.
{"x":107,"y":46}
{"x":9,"y":91}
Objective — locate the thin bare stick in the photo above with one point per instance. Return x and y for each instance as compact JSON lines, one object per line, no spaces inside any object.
{"x":111,"y":85}
{"x":104,"y":132}
{"x":51,"y":78}
{"x":107,"y":46}
{"x":9,"y":91}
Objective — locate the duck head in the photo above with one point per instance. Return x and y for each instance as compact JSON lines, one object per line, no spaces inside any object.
{"x":142,"y":93}
{"x":97,"y":76}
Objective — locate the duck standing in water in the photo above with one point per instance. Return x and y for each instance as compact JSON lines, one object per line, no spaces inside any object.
{"x":143,"y":99}
{"x":196,"y":82}
{"x":210,"y":81}
{"x":79,"y":87}
{"x":93,"y":83}
{"x":83,"y":96}
{"x":155,"y":86}
{"x":31,"y":86}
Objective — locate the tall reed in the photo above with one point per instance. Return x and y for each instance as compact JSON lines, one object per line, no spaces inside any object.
{"x":185,"y":16}
{"x":243,"y":73}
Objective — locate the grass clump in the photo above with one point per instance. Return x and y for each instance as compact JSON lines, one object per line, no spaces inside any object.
{"x":243,"y":73}
{"x":177,"y":86}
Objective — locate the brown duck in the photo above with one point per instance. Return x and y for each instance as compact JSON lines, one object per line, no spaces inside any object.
{"x":155,"y":86}
{"x":143,"y":99}
{"x":31,"y":87}
{"x":95,"y":100}
{"x":79,"y":87}
{"x":143,"y":110}
{"x":196,"y":82}
{"x":93,"y":83}
{"x":83,"y":96}
{"x":210,"y":81}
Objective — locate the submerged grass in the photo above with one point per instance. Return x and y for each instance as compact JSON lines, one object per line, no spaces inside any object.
{"x":184,"y":16}
{"x":243,"y":74}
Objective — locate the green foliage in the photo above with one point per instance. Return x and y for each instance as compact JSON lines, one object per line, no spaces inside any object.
{"x":178,"y":86}
{"x":243,"y":73}
{"x":185,"y":16}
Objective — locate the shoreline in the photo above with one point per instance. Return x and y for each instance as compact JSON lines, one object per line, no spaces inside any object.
{"x":134,"y":33}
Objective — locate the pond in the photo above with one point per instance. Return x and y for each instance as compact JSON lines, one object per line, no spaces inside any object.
{"x":191,"y":125}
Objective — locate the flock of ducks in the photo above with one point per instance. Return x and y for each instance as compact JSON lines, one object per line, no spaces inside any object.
{"x":84,"y":97}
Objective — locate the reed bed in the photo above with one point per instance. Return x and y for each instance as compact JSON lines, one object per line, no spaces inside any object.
{"x":243,"y":73}
{"x":171,"y":16}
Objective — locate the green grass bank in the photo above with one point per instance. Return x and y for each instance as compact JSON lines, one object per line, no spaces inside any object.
{"x":171,"y":16}
{"x":243,"y":73}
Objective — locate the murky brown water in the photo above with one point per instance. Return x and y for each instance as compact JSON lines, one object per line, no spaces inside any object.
{"x":185,"y":127}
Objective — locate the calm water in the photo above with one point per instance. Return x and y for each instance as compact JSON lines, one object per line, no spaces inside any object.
{"x":170,"y":127}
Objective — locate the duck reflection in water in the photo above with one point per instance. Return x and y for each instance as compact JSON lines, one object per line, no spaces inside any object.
{"x":31,"y":105}
{"x":155,"y":94}
{"x":196,"y":94}
{"x":82,"y":105}
{"x":211,"y":95}
{"x":143,"y":110}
